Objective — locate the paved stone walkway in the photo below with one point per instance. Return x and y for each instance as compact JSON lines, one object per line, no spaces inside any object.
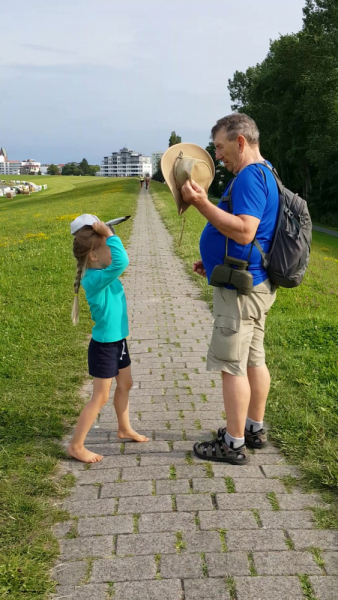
{"x":321,"y":229}
{"x":153,"y":523}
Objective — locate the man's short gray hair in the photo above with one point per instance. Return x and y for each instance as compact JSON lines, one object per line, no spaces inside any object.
{"x":235,"y":125}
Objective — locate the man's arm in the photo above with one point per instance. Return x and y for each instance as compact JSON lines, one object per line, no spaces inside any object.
{"x":240,"y":228}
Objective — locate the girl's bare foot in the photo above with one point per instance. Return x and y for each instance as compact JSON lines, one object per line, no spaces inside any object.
{"x":130,"y":434}
{"x":83,"y":454}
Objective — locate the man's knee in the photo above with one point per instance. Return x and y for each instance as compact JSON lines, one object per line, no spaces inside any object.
{"x":256,"y":360}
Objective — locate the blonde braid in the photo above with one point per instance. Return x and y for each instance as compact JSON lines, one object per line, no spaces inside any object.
{"x":79,"y":272}
{"x":85,"y":240}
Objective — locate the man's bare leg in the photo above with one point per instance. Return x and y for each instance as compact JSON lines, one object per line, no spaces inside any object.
{"x":259,"y":380}
{"x":236,"y":395}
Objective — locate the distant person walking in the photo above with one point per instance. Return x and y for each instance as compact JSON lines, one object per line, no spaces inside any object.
{"x":147,"y":182}
{"x":141,"y":181}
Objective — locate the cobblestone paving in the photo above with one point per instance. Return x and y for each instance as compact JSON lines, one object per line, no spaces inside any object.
{"x":151,"y":521}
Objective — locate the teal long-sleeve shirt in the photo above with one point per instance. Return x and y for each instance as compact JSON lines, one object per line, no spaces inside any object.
{"x":105,"y":296}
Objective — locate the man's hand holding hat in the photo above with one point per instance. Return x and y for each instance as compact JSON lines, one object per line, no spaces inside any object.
{"x":194,"y":194}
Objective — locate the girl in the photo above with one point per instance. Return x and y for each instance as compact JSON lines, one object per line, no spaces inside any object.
{"x":101,"y":259}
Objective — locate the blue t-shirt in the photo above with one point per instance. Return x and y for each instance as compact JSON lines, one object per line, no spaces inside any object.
{"x":251,"y":195}
{"x":105,"y":295}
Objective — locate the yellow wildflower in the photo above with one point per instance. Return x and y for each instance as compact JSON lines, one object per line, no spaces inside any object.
{"x":331,"y":258}
{"x":36,"y":236}
{"x":68,"y":217}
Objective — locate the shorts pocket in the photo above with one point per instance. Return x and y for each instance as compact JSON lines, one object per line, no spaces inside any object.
{"x":225,"y":338}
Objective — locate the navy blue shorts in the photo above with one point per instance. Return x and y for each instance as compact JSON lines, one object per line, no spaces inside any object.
{"x":106,"y":359}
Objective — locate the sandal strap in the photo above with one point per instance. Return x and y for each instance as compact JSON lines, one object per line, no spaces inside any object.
{"x":221,"y":432}
{"x":216,"y":449}
{"x":209,"y":448}
{"x":255,"y":436}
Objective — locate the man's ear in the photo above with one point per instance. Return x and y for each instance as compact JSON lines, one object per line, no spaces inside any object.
{"x":241,"y":143}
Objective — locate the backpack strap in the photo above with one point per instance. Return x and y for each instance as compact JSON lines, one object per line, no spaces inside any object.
{"x":234,"y":179}
{"x":265,"y":256}
{"x":274,"y":173}
{"x":230,"y":206}
{"x":254,"y":241}
{"x":281,"y":188}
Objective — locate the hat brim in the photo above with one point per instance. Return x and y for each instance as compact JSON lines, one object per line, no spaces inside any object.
{"x":167,"y":165}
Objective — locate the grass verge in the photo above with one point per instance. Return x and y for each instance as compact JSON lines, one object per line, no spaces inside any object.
{"x":43,"y":364}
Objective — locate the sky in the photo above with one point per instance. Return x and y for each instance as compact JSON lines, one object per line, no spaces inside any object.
{"x":83,"y":79}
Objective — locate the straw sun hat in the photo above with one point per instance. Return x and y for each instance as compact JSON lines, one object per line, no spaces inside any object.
{"x":186,"y":161}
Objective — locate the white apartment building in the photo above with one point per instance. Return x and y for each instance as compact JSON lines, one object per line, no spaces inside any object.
{"x":17,"y":167}
{"x":155,"y":157}
{"x":8,"y":167}
{"x":30,"y":167}
{"x":147,"y":168}
{"x":125,"y":163}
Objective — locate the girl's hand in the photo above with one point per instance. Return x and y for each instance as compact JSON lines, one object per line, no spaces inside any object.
{"x":102,"y":229}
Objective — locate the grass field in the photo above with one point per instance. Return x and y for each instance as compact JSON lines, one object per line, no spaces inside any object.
{"x":56,"y":184}
{"x":301,"y":343}
{"x":43,"y":363}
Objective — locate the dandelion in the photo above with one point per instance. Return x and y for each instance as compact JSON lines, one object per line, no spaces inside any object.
{"x":335,"y":260}
{"x":36,"y":236}
{"x":68,"y":217}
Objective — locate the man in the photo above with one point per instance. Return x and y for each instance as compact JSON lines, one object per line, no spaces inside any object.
{"x":236,"y":347}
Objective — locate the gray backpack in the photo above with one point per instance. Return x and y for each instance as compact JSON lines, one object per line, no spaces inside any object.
{"x":289,"y":254}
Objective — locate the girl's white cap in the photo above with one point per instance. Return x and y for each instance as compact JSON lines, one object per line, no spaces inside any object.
{"x":81,"y":221}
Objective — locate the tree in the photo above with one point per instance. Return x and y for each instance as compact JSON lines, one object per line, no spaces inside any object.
{"x":84,"y":167}
{"x":158,"y":175}
{"x":69,"y":168}
{"x":174,"y":139}
{"x":53,"y":170}
{"x":222,"y":176}
{"x":93,"y":169}
{"x":292,"y":95}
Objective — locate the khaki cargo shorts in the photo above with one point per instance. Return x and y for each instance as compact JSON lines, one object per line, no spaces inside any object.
{"x":238,"y":336}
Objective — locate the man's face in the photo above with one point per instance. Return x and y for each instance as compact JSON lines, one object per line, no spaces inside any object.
{"x":230,"y":153}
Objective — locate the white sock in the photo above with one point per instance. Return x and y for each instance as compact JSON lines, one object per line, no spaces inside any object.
{"x":253,"y":426}
{"x":233,"y":442}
